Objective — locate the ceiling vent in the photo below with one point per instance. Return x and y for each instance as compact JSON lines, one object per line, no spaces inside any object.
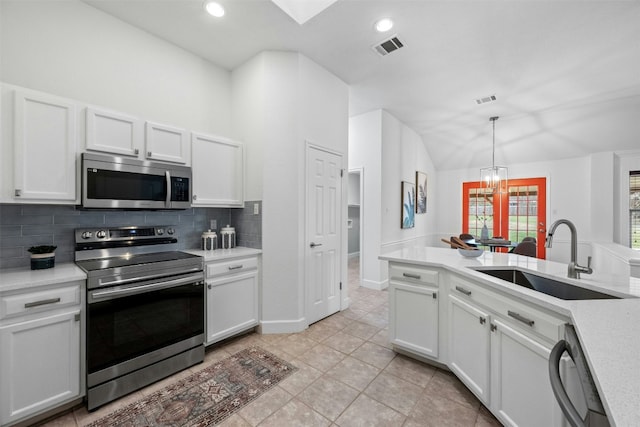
{"x":486,"y":99}
{"x":387,"y":46}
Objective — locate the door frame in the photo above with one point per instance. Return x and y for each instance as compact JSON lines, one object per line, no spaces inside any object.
{"x":342,"y":229}
{"x":360,"y":172}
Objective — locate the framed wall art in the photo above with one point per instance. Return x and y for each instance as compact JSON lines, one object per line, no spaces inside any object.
{"x":421,"y":192}
{"x":408,"y":191}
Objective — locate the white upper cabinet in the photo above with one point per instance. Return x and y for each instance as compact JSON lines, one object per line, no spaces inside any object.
{"x":218,"y":171}
{"x":44,"y":147}
{"x":113,"y":132}
{"x":166,"y":143}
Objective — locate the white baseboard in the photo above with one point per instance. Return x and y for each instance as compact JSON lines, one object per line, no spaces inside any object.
{"x":370,"y":284}
{"x":282,"y":326}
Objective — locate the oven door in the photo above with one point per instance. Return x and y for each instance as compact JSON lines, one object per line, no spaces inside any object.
{"x":132,"y":326}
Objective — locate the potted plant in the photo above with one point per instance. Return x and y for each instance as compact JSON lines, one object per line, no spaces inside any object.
{"x":42,"y":256}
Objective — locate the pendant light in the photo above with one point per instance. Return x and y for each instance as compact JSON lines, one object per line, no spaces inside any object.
{"x":494,"y":179}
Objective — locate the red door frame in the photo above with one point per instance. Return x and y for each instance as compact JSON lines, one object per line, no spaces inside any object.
{"x":503,"y":221}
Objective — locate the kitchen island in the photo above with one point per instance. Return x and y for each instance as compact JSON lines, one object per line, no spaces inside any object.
{"x":609,"y":330}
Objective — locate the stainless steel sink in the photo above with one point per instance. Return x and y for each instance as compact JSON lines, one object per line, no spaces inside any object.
{"x":552,"y":287}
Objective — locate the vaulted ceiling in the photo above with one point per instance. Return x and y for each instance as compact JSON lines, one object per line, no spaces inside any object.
{"x":566,"y":74}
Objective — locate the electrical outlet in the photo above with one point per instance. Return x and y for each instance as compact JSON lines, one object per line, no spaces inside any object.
{"x":256,"y":208}
{"x":213,"y":224}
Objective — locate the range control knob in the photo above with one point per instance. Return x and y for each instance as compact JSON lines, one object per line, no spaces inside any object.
{"x":101,"y":234}
{"x":170,"y":231}
{"x":160,"y":231}
{"x":87,"y":235}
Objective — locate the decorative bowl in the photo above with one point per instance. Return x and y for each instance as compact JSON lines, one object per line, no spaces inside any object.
{"x":470,"y":253}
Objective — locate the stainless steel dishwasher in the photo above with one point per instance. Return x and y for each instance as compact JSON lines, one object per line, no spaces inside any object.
{"x":595,"y":414}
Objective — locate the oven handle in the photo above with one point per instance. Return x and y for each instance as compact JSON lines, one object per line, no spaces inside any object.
{"x":119,"y":281}
{"x":119,"y":292}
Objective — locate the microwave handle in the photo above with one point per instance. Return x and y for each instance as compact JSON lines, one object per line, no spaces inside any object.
{"x":167,"y":176}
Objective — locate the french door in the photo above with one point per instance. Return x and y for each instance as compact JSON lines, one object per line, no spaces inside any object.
{"x":514,"y":215}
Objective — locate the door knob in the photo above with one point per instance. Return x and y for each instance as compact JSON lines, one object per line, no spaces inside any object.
{"x":313,"y":245}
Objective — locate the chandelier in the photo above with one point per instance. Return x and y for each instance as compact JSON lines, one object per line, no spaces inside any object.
{"x":494,"y":179}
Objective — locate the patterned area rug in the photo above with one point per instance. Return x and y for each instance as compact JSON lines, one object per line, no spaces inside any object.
{"x":206,"y":397}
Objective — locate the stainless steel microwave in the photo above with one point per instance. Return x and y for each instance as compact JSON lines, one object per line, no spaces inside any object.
{"x":110,"y":182}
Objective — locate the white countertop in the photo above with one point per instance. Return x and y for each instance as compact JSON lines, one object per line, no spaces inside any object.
{"x":12,"y":279}
{"x":222,"y":254}
{"x":609,"y":330}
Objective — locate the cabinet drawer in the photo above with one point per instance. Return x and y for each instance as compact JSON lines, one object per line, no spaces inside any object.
{"x":516,"y":312}
{"x":35,"y":302}
{"x":233,"y":266}
{"x":413,"y":274}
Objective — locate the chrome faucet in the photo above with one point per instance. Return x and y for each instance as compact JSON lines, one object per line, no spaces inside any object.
{"x":574,"y":268}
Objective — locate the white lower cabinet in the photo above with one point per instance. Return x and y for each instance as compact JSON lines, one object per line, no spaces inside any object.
{"x":414,"y":310}
{"x":232,"y":298}
{"x":499,"y":348}
{"x":470,"y":346}
{"x":40,"y":352}
{"x":521,"y":390}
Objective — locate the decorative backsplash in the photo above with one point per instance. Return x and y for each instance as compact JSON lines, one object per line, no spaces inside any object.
{"x":23,"y":226}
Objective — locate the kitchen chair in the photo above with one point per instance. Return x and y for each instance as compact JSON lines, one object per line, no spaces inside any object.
{"x":527,"y":248}
{"x":466,"y":237}
{"x":529,"y":239}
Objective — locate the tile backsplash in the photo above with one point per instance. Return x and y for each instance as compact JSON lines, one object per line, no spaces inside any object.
{"x":23,"y":226}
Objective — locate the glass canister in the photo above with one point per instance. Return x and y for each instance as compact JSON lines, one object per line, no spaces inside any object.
{"x":228,"y":237}
{"x":209,"y":240}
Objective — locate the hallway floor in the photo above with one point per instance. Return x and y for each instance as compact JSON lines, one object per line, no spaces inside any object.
{"x":348,"y":376}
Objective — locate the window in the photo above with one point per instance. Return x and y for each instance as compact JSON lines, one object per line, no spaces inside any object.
{"x":634,"y":209}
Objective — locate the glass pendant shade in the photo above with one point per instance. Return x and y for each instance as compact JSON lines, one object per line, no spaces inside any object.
{"x":494,"y":179}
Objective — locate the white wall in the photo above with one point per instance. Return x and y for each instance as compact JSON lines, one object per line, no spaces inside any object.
{"x":390,"y":152}
{"x":300,"y":103}
{"x":365,"y":152}
{"x":73,"y":50}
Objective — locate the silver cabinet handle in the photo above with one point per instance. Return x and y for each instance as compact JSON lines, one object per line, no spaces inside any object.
{"x":136,"y":151}
{"x":148,"y":153}
{"x":313,"y":245}
{"x":41,"y":302}
{"x":520,"y":318}
{"x":463,"y":290}
{"x":411,"y":276}
{"x":235,"y":267}
{"x":17,"y":192}
{"x":209,"y":286}
{"x":434,"y":295}
{"x":195,"y":197}
{"x":482,"y":320}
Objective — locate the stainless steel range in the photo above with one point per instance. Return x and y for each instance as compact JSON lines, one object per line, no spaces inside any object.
{"x":145,"y":308}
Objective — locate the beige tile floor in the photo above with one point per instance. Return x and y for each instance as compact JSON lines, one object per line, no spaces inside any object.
{"x":347,"y":376}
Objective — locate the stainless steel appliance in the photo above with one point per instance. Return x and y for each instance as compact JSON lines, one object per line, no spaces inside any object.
{"x":594,"y":415}
{"x":118,"y":182}
{"x":145,"y":308}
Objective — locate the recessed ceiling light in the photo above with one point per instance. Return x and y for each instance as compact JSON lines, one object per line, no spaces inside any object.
{"x":384,"y":24}
{"x":214,"y":9}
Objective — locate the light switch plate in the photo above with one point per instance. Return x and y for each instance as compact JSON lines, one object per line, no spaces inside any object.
{"x":256,"y":208}
{"x":213,"y":224}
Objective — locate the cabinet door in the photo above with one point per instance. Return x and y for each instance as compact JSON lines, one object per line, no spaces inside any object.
{"x":44,"y":147}
{"x":40,"y":364}
{"x":232,"y":305}
{"x":521,"y":390}
{"x":166,"y":143}
{"x":413,"y":318}
{"x":469,"y":346}
{"x":112,"y":132}
{"x":218,"y":171}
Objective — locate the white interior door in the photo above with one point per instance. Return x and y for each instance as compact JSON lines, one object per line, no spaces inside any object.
{"x":323,"y":258}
